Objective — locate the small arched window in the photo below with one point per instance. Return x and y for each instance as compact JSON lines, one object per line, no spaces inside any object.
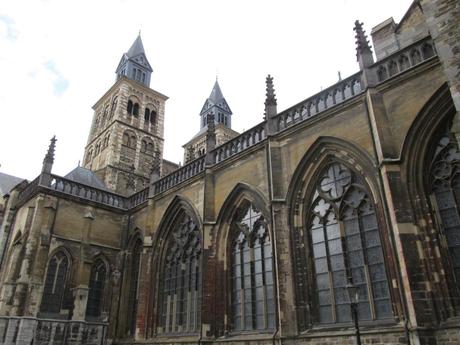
{"x":346,"y":248}
{"x":136,"y":109}
{"x":253,"y":299}
{"x":89,"y":156}
{"x":114,"y":106}
{"x":147,"y":115}
{"x":143,"y":146}
{"x":96,"y":289}
{"x":153,"y":117}
{"x":132,"y":141}
{"x":126,"y":139}
{"x":55,"y":285}
{"x":427,"y":50}
{"x":393,"y":68}
{"x":150,"y":148}
{"x":130,"y":107}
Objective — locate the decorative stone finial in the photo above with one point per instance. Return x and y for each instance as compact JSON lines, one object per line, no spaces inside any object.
{"x":270,"y":105}
{"x":270,"y":95}
{"x":362,"y":44}
{"x":49,"y":157}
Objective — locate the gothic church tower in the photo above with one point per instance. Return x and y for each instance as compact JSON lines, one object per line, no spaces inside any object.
{"x":128,"y":126}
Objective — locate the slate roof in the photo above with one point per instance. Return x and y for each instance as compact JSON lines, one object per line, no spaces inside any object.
{"x":137,"y":48}
{"x":7,"y":182}
{"x":216,"y":93}
{"x":87,"y":177}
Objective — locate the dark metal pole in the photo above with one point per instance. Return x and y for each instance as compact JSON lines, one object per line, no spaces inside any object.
{"x":354,"y":311}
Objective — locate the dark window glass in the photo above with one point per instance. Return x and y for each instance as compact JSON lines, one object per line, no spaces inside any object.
{"x":136,"y":109}
{"x":55,"y":284}
{"x":346,"y":251}
{"x":96,"y":289}
{"x":253,"y":305}
{"x":147,"y":115}
{"x":446,"y":188}
{"x":134,"y":286}
{"x":130,"y":107}
{"x":180,"y":295}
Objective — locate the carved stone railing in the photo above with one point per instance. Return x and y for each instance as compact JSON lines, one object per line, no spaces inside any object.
{"x":404,"y":59}
{"x":30,"y":189}
{"x":187,"y":171}
{"x":240,"y":143}
{"x":328,"y":98}
{"x":83,"y":191}
{"x":16,"y":330}
{"x":137,"y":198}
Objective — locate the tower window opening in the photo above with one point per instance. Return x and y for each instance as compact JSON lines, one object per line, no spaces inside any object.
{"x":136,"y":109}
{"x":134,"y":73}
{"x":147,"y":115}
{"x":153,"y":117}
{"x":130,"y":107}
{"x":143,"y":77}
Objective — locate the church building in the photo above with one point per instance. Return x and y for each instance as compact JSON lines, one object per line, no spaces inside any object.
{"x":334,"y":220}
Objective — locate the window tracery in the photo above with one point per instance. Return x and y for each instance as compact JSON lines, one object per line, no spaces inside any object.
{"x":55,"y":283}
{"x":253,"y":304}
{"x":345,"y":248}
{"x":180,"y":286}
{"x":96,"y":289}
{"x":445,"y":184}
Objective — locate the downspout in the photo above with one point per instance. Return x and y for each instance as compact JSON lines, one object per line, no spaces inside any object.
{"x":393,"y":245}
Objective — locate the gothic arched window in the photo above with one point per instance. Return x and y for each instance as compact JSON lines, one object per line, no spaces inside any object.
{"x":253,"y":303}
{"x":180,"y":283}
{"x":55,"y":283}
{"x":96,"y":289}
{"x":445,"y":184}
{"x":345,"y":247}
{"x":134,"y":285}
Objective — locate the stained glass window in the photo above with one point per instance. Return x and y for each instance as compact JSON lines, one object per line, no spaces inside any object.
{"x":253,"y":303}
{"x":180,"y":295}
{"x":96,"y":289}
{"x":134,"y":286}
{"x":346,"y":248}
{"x":445,"y":180}
{"x":55,"y":284}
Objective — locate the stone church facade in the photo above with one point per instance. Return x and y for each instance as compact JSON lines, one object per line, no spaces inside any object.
{"x":256,"y":239}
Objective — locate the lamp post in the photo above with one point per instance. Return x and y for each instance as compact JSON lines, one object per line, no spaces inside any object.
{"x":353,"y":295}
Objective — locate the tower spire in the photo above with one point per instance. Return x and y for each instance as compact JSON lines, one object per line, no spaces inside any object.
{"x":134,"y":63}
{"x":217,"y":105}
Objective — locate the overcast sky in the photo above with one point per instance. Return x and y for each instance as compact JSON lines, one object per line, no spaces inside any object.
{"x":57,"y":58}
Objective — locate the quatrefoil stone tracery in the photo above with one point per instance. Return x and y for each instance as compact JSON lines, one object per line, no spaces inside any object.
{"x":334,"y":181}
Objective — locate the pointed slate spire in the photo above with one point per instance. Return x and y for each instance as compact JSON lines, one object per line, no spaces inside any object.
{"x":137,"y":47}
{"x":49,"y":157}
{"x":134,"y":64}
{"x":363,"y":49}
{"x":270,"y":105}
{"x":216,"y":93}
{"x":216,"y":104}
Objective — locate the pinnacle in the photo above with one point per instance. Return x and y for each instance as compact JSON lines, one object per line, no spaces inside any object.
{"x":362,"y":44}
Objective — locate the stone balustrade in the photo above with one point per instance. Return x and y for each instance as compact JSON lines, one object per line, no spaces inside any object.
{"x":328,"y":98}
{"x":240,"y":143}
{"x":404,"y":59}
